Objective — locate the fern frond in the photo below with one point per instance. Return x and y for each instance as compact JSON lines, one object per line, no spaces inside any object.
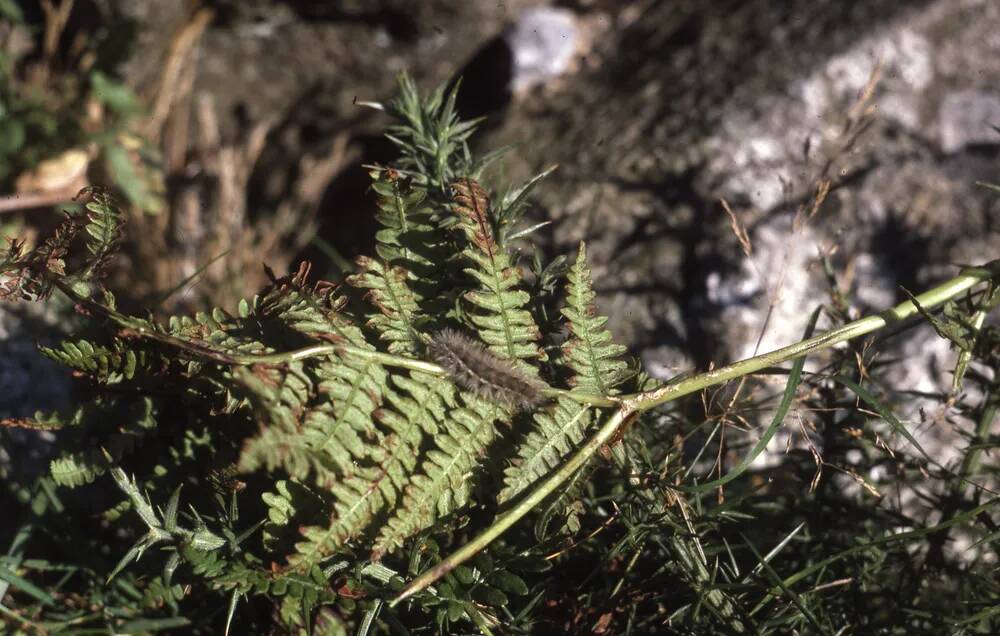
{"x":15,"y":277}
{"x":112,"y":425}
{"x":397,"y":306}
{"x":558,"y":431}
{"x":302,"y":589}
{"x":418,"y":402}
{"x":312,"y":310}
{"x":108,"y":365}
{"x":319,"y":421}
{"x":500,"y":316}
{"x":280,"y":398}
{"x":418,"y":405}
{"x":291,"y":501}
{"x":445,"y":482}
{"x":32,"y":275}
{"x":46,"y":421}
{"x":406,"y":281}
{"x":597,"y":369}
{"x":509,"y":329}
{"x":77,"y":469}
{"x":354,"y":388}
{"x":103,"y":227}
{"x":272,"y":448}
{"x":157,"y":594}
{"x":334,"y":435}
{"x":215,"y":331}
{"x":325,"y":423}
{"x":590,"y":351}
{"x":358,"y":499}
{"x":411,"y":236}
{"x":344,"y":436}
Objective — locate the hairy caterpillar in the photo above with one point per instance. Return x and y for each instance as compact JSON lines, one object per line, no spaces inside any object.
{"x":477,"y":369}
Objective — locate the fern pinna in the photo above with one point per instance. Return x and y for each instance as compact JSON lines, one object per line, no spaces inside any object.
{"x":327,"y":399}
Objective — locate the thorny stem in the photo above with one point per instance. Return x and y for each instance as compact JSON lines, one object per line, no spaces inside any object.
{"x":631,"y":406}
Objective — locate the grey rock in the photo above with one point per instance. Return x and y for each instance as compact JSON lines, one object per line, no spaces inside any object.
{"x":685,"y":103}
{"x":969,"y":117}
{"x":29,"y":382}
{"x":766,"y":303}
{"x":543,"y":42}
{"x":681,"y":110}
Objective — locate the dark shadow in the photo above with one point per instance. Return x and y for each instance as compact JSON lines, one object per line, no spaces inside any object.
{"x":901,"y":249}
{"x":347,"y":208}
{"x":706,"y":60}
{"x":486,"y":78}
{"x":110,"y":32}
{"x":400,"y":25}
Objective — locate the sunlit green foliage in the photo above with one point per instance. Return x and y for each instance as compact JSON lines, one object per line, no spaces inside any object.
{"x":288,"y":464}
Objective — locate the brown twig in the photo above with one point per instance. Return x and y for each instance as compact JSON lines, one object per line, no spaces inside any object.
{"x":55,"y":22}
{"x":17,"y":202}
{"x":181,"y":46}
{"x":739,"y":229}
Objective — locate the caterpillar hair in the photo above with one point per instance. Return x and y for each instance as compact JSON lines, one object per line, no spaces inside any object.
{"x":477,"y":369}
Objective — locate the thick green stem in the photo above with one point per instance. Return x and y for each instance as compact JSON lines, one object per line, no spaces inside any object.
{"x":633,"y":405}
{"x":523,"y":507}
{"x":931,"y":298}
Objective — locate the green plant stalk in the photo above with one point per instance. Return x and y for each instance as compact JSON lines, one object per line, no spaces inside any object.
{"x":965,"y":356}
{"x":968,"y":468}
{"x":631,"y":406}
{"x":931,"y":298}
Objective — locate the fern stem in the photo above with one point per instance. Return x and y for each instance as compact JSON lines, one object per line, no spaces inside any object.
{"x":931,"y":298}
{"x":633,"y":405}
{"x":140,"y":328}
{"x":582,"y":398}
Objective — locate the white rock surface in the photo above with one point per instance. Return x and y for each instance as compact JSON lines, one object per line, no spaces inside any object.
{"x":969,"y":117}
{"x":543,"y":42}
